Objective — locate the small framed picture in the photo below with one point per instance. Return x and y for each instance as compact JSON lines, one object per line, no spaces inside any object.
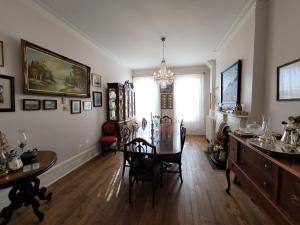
{"x":96,"y":80}
{"x":7,"y":94}
{"x":1,"y":54}
{"x":31,"y":104}
{"x":87,"y":105}
{"x":49,"y":104}
{"x":75,"y":106}
{"x":97,"y":99}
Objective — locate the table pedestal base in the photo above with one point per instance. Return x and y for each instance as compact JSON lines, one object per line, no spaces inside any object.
{"x":25,"y":193}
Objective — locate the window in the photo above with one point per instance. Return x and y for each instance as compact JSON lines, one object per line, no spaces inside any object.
{"x":147,"y":97}
{"x":189,"y":104}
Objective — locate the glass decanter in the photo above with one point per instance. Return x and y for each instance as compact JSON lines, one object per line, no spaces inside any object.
{"x":266,"y":131}
{"x":21,"y":140}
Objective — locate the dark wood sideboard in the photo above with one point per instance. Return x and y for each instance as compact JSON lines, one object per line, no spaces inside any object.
{"x":271,"y":181}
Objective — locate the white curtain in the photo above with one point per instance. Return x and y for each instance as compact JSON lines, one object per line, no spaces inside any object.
{"x":189,"y":104}
{"x":147,"y":97}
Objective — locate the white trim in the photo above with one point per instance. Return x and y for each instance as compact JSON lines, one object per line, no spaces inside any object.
{"x":245,"y":13}
{"x":48,"y":12}
{"x":59,"y":171}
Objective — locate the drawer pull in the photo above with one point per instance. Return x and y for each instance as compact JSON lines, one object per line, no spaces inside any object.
{"x":295,"y":199}
{"x":266,"y":166}
{"x":265,"y":183}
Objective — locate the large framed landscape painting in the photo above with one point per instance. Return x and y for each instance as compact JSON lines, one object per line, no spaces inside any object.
{"x":48,"y":73}
{"x":231,"y":85}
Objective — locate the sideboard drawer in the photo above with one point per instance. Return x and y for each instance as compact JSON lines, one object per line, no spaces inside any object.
{"x":233,"y":149}
{"x":289,"y":194}
{"x":264,"y":182}
{"x":264,"y":165}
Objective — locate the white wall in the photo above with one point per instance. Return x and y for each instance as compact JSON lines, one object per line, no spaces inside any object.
{"x":240,"y":45}
{"x":58,"y":130}
{"x":282,"y":46}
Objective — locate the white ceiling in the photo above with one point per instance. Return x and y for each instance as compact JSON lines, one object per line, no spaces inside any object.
{"x":131,"y":29}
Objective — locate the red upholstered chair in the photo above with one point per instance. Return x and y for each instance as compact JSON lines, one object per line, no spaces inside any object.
{"x":109,"y":135}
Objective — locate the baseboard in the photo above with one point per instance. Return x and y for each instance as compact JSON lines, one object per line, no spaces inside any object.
{"x":59,"y":171}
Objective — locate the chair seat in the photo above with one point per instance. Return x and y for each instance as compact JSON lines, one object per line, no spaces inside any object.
{"x":108,"y":139}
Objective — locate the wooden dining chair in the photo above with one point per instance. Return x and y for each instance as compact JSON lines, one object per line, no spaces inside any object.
{"x":166,"y":119}
{"x":109,"y":135}
{"x":144,"y":165}
{"x":125,"y":136}
{"x":175,"y":158}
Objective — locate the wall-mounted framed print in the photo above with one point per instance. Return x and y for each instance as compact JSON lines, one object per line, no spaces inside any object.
{"x":7,"y":94}
{"x":231,"y":85}
{"x":87,"y":105}
{"x":31,"y":104}
{"x":96,"y":80}
{"x":288,"y":81}
{"x":168,"y":88}
{"x":1,"y":54}
{"x":97,"y":99}
{"x":49,"y":104}
{"x":48,"y":73}
{"x":75,"y":106}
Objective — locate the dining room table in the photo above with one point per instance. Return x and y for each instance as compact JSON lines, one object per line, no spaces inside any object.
{"x":164,"y":136}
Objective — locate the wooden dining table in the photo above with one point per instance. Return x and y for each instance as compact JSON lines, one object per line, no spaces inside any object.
{"x":165,"y":137}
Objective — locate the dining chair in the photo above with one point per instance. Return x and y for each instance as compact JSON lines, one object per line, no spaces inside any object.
{"x":144,"y":165}
{"x":109,"y":135}
{"x":166,"y":119}
{"x":175,"y":158}
{"x":125,"y":136}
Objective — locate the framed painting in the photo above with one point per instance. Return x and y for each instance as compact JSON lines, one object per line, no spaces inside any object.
{"x":231,"y":85}
{"x":87,"y":105}
{"x":31,"y":104}
{"x":288,"y":81}
{"x":168,"y":88}
{"x":48,"y":73}
{"x":1,"y":54}
{"x":75,"y":106}
{"x":97,"y":99}
{"x":7,"y":94}
{"x":49,"y":104}
{"x":96,"y":80}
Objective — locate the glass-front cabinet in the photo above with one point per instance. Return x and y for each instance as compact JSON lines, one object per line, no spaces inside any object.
{"x":121,"y":102}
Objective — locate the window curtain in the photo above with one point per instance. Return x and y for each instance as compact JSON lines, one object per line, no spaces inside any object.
{"x":189,"y":103}
{"x":147,"y":97}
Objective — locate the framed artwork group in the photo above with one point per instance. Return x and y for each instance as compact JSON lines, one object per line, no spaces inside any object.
{"x":48,"y":73}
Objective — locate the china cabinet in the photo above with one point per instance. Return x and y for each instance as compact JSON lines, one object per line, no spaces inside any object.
{"x":121,"y":104}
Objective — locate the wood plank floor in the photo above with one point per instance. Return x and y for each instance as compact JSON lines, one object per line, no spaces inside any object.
{"x":96,"y":193}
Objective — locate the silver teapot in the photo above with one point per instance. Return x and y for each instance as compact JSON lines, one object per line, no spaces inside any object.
{"x":291,"y":133}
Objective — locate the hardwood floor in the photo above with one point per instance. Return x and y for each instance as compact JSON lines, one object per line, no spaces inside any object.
{"x":96,"y":193}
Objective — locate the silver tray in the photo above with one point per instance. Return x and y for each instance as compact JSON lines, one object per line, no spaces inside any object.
{"x":276,"y":147}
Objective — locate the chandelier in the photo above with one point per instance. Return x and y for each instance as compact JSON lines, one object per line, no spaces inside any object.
{"x":164,"y":76}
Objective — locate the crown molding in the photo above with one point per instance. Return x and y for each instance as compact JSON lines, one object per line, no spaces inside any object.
{"x":48,"y":12}
{"x":244,"y":14}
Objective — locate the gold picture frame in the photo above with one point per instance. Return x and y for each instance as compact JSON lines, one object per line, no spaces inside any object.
{"x":48,"y":73}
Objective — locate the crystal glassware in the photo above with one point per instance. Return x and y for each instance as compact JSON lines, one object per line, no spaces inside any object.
{"x":21,"y":139}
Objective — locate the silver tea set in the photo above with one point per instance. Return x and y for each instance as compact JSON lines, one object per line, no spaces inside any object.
{"x":291,"y":133}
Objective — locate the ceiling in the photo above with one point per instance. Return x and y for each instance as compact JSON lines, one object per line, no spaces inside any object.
{"x":131,"y":29}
